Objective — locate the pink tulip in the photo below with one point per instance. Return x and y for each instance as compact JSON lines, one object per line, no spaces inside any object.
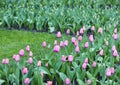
{"x":79,"y":38}
{"x":27,"y":48}
{"x":55,"y":42}
{"x":30,"y":54}
{"x":21,"y":52}
{"x":6,"y":61}
{"x":86,"y":45}
{"x":26,"y":81}
{"x":3,"y":61}
{"x":44,"y":44}
{"x":70,"y":58}
{"x":77,"y":49}
{"x":49,"y":82}
{"x":112,"y":70}
{"x":66,"y":43}
{"x":91,"y":38}
{"x":108,"y":72}
{"x":76,"y":43}
{"x":73,"y":39}
{"x":93,"y":28}
{"x":30,"y":60}
{"x":89,"y":82}
{"x":100,"y":30}
{"x":94,"y":64}
{"x":56,"y":48}
{"x":58,"y":34}
{"x":115,"y":53}
{"x":39,"y":63}
{"x":115,"y":30}
{"x":67,"y":81}
{"x":63,"y":59}
{"x":101,"y":52}
{"x":25,"y":70}
{"x":61,"y":43}
{"x":17,"y":58}
{"x":115,"y":36}
{"x":86,"y":60}
{"x":106,"y":43}
{"x":113,"y":48}
{"x":81,"y":31}
{"x":84,"y":65}
{"x":68,"y":31}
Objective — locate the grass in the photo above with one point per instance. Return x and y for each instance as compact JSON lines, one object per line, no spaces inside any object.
{"x":12,"y":41}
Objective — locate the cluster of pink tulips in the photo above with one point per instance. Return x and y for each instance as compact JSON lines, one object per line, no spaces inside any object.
{"x":80,"y":60}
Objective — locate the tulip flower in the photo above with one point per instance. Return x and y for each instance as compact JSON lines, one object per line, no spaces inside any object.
{"x":94,"y":64}
{"x":86,"y":45}
{"x":89,"y":82}
{"x":58,"y":34}
{"x":93,"y":28}
{"x":25,"y":70}
{"x":17,"y":58}
{"x":26,"y":81}
{"x":79,"y":38}
{"x":101,"y":52}
{"x":49,"y":82}
{"x":115,"y":53}
{"x":30,"y":60}
{"x":63,"y":58}
{"x":108,"y":72}
{"x":113,"y":48}
{"x":39,"y":63}
{"x":66,"y":43}
{"x":81,"y":31}
{"x":73,"y":39}
{"x":115,"y":30}
{"x":30,"y":54}
{"x":68,"y":31}
{"x":56,"y":48}
{"x":67,"y":81}
{"x":91,"y":38}
{"x":100,"y":30}
{"x":70,"y":58}
{"x":106,"y":43}
{"x":115,"y":36}
{"x":61,"y":43}
{"x":77,"y":49}
{"x":21,"y":52}
{"x":44,"y":44}
{"x":84,"y":65}
{"x":112,"y":70}
{"x":86,"y":60}
{"x":27,"y":48}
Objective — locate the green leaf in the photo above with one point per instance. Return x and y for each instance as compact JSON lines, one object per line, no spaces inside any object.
{"x":80,"y":82}
{"x":62,"y":76}
{"x":58,"y":65}
{"x":44,"y":70}
{"x":1,"y":81}
{"x":52,"y":29}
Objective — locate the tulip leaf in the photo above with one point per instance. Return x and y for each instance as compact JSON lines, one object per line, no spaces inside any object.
{"x":62,"y":76}
{"x":44,"y":70}
{"x":1,"y":81}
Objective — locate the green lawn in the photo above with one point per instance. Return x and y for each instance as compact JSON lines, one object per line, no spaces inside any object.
{"x":12,"y":41}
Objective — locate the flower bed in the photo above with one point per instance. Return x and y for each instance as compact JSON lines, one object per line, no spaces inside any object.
{"x":90,"y":58}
